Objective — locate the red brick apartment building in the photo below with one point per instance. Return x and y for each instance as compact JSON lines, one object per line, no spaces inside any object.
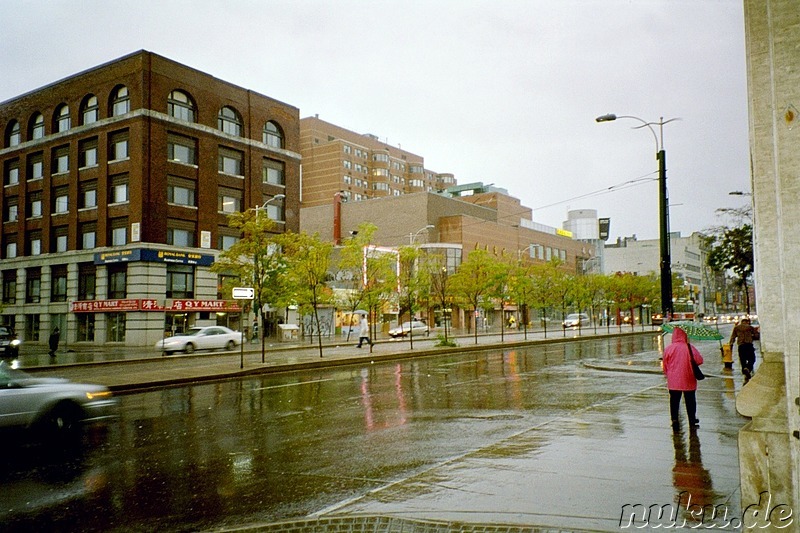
{"x":360,"y":165}
{"x":117,"y":183}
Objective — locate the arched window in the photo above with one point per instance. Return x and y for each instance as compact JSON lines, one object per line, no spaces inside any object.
{"x":13,"y":134}
{"x":89,"y":111}
{"x":37,"y":126}
{"x":62,"y":120}
{"x":229,"y":121}
{"x":272,"y":135}
{"x":120,"y":101}
{"x":180,"y":106}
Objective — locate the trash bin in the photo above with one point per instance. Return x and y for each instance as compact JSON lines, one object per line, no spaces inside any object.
{"x":289,"y":332}
{"x":727,"y":355}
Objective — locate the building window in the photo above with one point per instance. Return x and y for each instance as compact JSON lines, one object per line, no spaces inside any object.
{"x":181,"y":191}
{"x":118,"y":146}
{"x":9,"y":286}
{"x":272,"y":172}
{"x":33,"y":242}
{"x":11,"y":209}
{"x":118,"y":191}
{"x":272,"y":135}
{"x":85,"y":327}
{"x":117,"y":281}
{"x":11,"y":172}
{"x":62,"y":120}
{"x":88,"y":234}
{"x":60,"y":160}
{"x":231,"y":162}
{"x":61,"y":200}
{"x":33,"y":285}
{"x":275,"y":211}
{"x":229,"y":200}
{"x":115,"y":327}
{"x":118,"y":229}
{"x":58,"y":240}
{"x":35,"y":204}
{"x":180,"y":106}
{"x":226,"y":241}
{"x":11,"y":246}
{"x":13,"y":134}
{"x":89,"y":111}
{"x":180,"y":281}
{"x":180,"y":233}
{"x":32,"y":324}
{"x":35,"y":166}
{"x":88,"y":194}
{"x":58,"y":283}
{"x":120,"y":101}
{"x":87,"y":281}
{"x":229,"y":121}
{"x":87,"y":153}
{"x":37,"y":126}
{"x":181,"y":149}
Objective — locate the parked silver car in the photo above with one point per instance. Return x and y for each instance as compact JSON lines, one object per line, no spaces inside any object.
{"x":414,"y":328}
{"x":576,"y":320}
{"x":53,"y":409}
{"x":207,"y":338}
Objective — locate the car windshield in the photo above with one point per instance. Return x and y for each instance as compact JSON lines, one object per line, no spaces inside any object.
{"x":193,"y":332}
{"x":8,"y":374}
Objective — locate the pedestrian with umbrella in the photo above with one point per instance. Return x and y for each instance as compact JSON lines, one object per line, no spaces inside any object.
{"x":681,"y":381}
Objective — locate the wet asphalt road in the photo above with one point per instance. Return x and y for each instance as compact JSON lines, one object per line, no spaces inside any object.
{"x":367,"y":438}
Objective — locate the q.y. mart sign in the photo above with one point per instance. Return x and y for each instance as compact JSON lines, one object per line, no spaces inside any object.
{"x":150,"y":304}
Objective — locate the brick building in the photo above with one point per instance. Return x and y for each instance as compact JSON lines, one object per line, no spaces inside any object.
{"x":360,"y":165}
{"x":117,"y":183}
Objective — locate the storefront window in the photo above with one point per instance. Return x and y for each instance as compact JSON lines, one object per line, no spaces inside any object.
{"x":115,"y":326}
{"x":85,"y":326}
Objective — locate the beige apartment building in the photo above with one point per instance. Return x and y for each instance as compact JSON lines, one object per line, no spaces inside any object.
{"x":361,"y":166}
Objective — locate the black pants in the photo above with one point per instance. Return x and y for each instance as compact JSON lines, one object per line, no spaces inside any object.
{"x":747,"y":357}
{"x":363,"y":340}
{"x":675,"y":404}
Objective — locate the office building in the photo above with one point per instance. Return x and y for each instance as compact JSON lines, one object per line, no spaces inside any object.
{"x":117,"y":184}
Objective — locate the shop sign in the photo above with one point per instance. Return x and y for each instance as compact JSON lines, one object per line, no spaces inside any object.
{"x":158,"y":256}
{"x":201,"y":305}
{"x":113,"y":306}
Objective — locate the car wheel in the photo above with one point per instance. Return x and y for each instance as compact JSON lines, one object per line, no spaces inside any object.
{"x":189,"y":348}
{"x":230,"y":346}
{"x":61,"y":424}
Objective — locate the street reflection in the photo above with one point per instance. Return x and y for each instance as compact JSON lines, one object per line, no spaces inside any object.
{"x":693,"y":485}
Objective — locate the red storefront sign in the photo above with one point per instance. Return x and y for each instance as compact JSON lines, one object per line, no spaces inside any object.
{"x":150,"y":304}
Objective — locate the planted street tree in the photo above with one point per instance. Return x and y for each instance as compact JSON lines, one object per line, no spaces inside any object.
{"x":415,"y":284}
{"x":474,"y":281}
{"x":308,"y":261}
{"x":732,"y":250}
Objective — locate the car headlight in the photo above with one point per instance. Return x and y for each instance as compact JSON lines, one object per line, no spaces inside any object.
{"x":99,"y":395}
{"x":16,"y":342}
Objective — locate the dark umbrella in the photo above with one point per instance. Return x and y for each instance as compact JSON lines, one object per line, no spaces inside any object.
{"x":694,"y":331}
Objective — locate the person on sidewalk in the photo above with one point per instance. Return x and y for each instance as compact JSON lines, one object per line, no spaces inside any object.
{"x":743,"y":333}
{"x":53,"y":341}
{"x":677,"y":366}
{"x":363,"y":332}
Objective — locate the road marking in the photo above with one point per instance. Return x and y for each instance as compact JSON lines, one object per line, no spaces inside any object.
{"x":292,"y":384}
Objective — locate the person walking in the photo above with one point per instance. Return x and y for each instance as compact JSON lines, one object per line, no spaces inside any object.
{"x":53,"y":341}
{"x":677,"y":366}
{"x":743,"y":334}
{"x":363,"y":332}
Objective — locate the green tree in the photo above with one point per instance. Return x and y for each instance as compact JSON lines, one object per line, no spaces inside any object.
{"x":350,"y":273}
{"x":732,"y":249}
{"x":440,"y":292}
{"x":475,"y":281}
{"x":256,"y":260}
{"x":307,"y":273}
{"x":522,"y":289}
{"x":414,"y":283}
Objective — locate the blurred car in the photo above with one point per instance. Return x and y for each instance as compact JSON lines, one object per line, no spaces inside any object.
{"x":414,"y":327}
{"x":207,"y":338}
{"x":576,"y":320}
{"x":9,"y":343}
{"x":53,"y":409}
{"x":657,"y":319}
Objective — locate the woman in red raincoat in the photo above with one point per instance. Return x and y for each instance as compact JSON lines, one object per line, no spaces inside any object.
{"x":680,"y":377}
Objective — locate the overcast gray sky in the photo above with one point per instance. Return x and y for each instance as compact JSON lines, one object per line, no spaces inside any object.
{"x":499,"y":91}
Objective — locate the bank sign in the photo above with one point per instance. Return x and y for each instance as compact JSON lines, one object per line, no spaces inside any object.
{"x":154,"y":256}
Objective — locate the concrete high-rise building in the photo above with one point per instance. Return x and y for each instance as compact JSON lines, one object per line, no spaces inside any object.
{"x":361,"y":166}
{"x":117,"y":183}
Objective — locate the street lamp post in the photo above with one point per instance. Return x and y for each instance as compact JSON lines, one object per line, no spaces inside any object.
{"x":663,"y":206}
{"x":256,"y":282}
{"x":412,"y":236}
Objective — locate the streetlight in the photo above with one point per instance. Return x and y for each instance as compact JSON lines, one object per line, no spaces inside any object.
{"x":256,"y":283}
{"x":663,"y":211}
{"x":412,"y":236}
